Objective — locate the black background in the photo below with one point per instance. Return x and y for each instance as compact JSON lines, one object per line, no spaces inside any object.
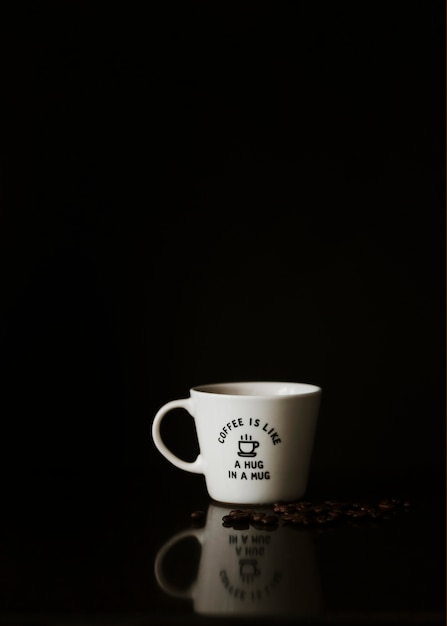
{"x":214,"y":192}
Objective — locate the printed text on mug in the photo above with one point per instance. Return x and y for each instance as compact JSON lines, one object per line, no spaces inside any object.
{"x":254,"y":422}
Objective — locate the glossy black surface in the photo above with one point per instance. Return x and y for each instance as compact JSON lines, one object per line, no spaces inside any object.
{"x":83,"y":550}
{"x":199,"y":193}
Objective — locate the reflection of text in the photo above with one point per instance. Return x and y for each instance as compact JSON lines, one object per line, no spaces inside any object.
{"x":254,"y":582}
{"x":254,"y":539}
{"x":251,"y":595}
{"x":249,"y":545}
{"x":233,"y":590}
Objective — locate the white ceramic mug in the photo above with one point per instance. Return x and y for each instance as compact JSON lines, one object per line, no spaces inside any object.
{"x":255,"y":439}
{"x":247,"y":572}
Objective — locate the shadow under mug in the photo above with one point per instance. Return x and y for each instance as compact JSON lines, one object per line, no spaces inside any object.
{"x":255,"y":439}
{"x":247,"y":572}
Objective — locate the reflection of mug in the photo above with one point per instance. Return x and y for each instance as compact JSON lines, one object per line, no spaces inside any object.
{"x":248,"y":572}
{"x":271,"y":424}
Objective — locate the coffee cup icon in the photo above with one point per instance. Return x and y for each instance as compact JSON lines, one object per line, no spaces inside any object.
{"x":247,"y":446}
{"x":248,"y":569}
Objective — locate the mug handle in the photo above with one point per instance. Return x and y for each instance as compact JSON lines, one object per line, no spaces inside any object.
{"x":196,"y":467}
{"x":161,"y":579}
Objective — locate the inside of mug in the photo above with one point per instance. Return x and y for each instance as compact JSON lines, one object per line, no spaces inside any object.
{"x":258,"y":389}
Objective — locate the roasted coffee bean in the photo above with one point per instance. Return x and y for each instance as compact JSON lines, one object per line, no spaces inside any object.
{"x":386,"y":505}
{"x":269,"y":528}
{"x":269,"y":520}
{"x":371,"y":510}
{"x":303,"y":506}
{"x":296,"y":518}
{"x":197,"y":516}
{"x":319,"y":508}
{"x":283,"y":508}
{"x":240,"y":517}
{"x":292,"y":516}
{"x":357,"y":513}
{"x":236,"y":512}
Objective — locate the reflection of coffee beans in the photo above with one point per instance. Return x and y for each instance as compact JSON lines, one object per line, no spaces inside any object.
{"x":305,"y":513}
{"x":242,"y":519}
{"x":198,"y":518}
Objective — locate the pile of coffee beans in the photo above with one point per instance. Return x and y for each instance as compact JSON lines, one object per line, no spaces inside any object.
{"x":241,"y":519}
{"x":306,"y":513}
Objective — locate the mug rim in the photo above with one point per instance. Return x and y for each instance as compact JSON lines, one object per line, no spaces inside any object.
{"x":284,"y":389}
